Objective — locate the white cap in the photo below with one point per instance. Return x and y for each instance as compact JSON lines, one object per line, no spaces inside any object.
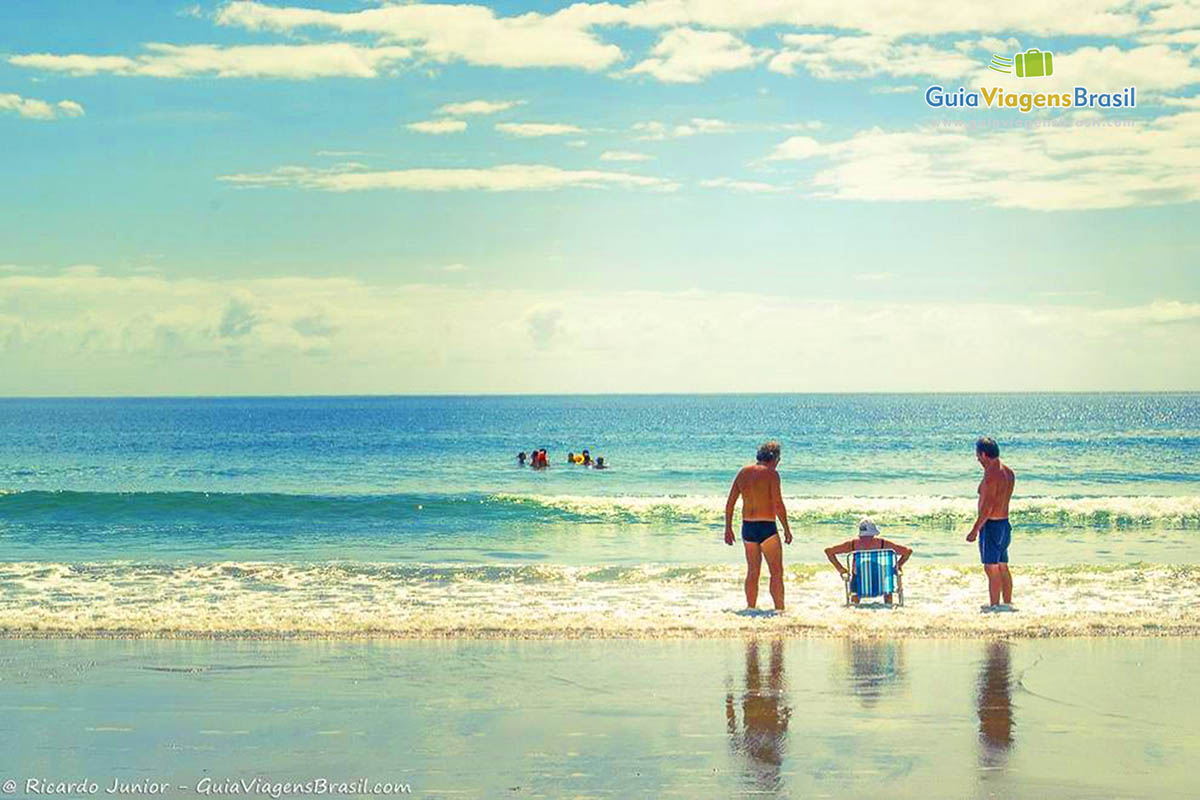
{"x":867,"y":528}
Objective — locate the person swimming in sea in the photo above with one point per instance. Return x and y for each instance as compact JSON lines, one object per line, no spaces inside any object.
{"x":600,"y":463}
{"x":587,"y":458}
{"x":521,"y":458}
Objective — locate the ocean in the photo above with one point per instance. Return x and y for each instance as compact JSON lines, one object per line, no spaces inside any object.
{"x":409,"y":516}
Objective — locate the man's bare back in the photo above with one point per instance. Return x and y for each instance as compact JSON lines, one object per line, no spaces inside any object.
{"x":762,"y":502}
{"x":759,"y":487}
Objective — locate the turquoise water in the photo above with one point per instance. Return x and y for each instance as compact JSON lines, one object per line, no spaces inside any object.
{"x":143,"y":512}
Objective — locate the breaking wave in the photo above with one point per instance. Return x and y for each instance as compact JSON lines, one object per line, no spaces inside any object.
{"x":347,"y":600}
{"x":268,"y":508}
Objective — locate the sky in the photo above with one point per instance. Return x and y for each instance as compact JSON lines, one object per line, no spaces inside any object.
{"x":656,"y":196}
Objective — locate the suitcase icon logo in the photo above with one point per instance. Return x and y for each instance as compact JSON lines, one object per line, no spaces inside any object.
{"x":1033,"y":63}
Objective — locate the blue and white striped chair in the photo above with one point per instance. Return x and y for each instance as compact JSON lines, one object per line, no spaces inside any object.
{"x":873,"y":574}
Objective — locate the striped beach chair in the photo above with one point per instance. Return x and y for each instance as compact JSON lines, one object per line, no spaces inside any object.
{"x":873,"y":574}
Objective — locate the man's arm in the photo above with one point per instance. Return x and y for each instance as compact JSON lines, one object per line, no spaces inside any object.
{"x":780,"y":509}
{"x":900,"y":550}
{"x":987,"y":498}
{"x":734,"y":492}
{"x":833,"y":552}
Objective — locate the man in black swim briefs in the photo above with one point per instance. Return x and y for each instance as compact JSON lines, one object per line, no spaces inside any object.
{"x":762,"y":502}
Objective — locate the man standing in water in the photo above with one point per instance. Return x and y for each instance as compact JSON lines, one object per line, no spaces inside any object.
{"x":762,"y":502}
{"x":991,"y":523}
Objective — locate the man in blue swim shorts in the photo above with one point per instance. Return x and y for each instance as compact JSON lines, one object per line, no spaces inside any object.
{"x":762,"y":501}
{"x":991,"y":523}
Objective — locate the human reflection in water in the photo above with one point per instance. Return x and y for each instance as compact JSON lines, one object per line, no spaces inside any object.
{"x":876,"y":668}
{"x":762,"y":738}
{"x":994,"y":703}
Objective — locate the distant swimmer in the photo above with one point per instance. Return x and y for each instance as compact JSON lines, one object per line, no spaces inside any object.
{"x":762,"y":501}
{"x":570,"y":458}
{"x":600,"y":463}
{"x":587,"y":459}
{"x":868,"y":539}
{"x":521,"y":458}
{"x":991,"y":524}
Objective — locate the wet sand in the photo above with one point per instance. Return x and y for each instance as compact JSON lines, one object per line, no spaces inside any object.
{"x":1098,"y":717}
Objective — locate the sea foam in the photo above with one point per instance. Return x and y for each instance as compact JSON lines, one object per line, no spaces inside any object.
{"x":347,"y":600}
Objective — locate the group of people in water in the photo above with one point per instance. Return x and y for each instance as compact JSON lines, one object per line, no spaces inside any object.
{"x":759,"y":487}
{"x":537,"y":459}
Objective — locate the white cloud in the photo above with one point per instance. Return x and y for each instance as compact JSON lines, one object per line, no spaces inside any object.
{"x":69,"y":108}
{"x":1185,"y":102}
{"x":991,"y":44}
{"x":444,"y":32}
{"x":478,"y":107}
{"x":1085,"y":165}
{"x":757,"y":187}
{"x":834,"y":57}
{"x":699,"y":37}
{"x":504,"y":178}
{"x":685,"y":55}
{"x":438,"y":126}
{"x":152,"y":335}
{"x":295,"y":61}
{"x":30,"y":108}
{"x":545,"y":324}
{"x":904,"y":17}
{"x":794,"y":149}
{"x":905,"y":89}
{"x":624,"y":155}
{"x":535,"y":129}
{"x":656,"y":131}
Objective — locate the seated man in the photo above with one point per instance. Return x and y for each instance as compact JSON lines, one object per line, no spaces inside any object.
{"x":868,"y":539}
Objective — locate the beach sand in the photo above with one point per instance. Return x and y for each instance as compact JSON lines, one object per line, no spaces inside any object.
{"x":807,"y":717}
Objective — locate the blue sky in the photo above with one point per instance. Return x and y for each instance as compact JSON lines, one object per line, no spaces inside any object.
{"x":272,"y":198}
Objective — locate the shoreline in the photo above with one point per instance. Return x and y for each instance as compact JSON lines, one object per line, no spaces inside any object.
{"x":766,"y":715}
{"x":672,"y":635}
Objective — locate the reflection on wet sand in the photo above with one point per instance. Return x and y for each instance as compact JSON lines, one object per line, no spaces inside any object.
{"x":762,"y":738}
{"x":876,"y":668}
{"x":994,"y":703}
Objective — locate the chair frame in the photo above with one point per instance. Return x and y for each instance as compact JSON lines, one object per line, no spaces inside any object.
{"x":849,"y":577}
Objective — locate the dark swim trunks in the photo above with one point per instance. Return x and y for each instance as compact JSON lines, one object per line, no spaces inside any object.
{"x":993,"y":541}
{"x":758,"y":531}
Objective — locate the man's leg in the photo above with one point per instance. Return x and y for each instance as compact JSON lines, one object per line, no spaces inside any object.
{"x":1005,"y":584}
{"x":772,"y":550}
{"x":994,"y":582}
{"x":753,"y":566}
